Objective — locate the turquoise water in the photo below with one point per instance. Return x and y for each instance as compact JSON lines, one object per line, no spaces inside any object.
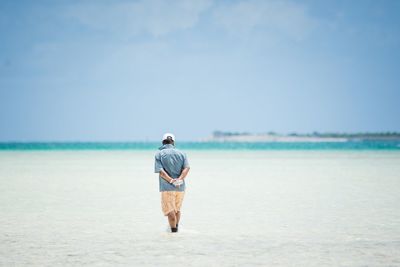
{"x":362,"y":145}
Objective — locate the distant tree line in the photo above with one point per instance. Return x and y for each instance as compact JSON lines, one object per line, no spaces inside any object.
{"x":354,"y":135}
{"x":362,"y":135}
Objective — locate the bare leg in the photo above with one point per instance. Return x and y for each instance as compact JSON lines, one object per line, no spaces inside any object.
{"x":172,"y":219}
{"x":178,"y":216}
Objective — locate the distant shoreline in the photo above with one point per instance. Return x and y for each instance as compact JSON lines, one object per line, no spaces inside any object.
{"x":278,"y":139}
{"x":219,"y":136}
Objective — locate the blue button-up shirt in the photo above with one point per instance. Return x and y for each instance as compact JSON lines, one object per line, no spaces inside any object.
{"x":172,"y":161}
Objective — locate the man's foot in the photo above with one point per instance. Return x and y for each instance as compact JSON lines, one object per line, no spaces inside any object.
{"x":174,"y":229}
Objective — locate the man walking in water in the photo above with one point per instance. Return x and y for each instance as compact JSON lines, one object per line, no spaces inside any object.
{"x":172,"y":166}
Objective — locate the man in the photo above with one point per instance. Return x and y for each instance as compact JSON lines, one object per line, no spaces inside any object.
{"x":172,"y":166}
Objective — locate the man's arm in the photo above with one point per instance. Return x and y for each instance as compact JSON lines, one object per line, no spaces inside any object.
{"x":186,"y":168}
{"x":165,"y":176}
{"x":158,"y":168}
{"x":184,"y":172}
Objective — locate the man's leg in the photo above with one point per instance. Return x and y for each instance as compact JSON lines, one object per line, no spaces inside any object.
{"x":178,"y":217}
{"x":178,"y":204}
{"x":168,"y":208}
{"x":172,"y":221}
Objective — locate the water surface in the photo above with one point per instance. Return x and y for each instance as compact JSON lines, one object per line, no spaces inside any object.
{"x":242,"y":207}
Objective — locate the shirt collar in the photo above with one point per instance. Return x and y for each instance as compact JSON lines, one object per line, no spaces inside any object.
{"x":166,"y":146}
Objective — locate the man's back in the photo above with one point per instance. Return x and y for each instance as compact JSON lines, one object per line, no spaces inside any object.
{"x":172,"y":161}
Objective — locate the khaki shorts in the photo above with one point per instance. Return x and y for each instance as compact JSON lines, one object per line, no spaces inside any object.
{"x":171,"y":201}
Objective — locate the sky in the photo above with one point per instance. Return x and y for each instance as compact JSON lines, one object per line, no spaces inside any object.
{"x":132,"y":70}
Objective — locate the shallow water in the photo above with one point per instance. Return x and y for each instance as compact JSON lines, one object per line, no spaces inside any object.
{"x":254,"y":208}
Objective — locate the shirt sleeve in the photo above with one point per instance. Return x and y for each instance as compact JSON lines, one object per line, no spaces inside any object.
{"x":157,"y":163}
{"x":185,"y":161}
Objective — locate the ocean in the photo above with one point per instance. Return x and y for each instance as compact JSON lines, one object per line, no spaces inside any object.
{"x":351,"y":145}
{"x":271,"y":204}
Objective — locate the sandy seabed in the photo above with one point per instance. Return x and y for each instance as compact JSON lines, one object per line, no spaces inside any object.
{"x":242,"y":208}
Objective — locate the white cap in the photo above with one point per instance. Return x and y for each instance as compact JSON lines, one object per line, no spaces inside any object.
{"x":165,"y":136}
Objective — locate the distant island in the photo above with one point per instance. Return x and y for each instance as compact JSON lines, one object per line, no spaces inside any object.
{"x":224,"y":136}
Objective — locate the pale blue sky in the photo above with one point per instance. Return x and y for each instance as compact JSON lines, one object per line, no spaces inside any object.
{"x":132,"y":70}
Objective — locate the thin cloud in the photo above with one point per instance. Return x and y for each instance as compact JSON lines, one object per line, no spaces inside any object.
{"x":154,"y":17}
{"x":284,"y":18}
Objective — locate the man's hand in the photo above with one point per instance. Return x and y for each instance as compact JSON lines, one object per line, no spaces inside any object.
{"x":177,"y":182}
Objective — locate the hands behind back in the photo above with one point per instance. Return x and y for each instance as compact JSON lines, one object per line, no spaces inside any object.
{"x":177,"y":182}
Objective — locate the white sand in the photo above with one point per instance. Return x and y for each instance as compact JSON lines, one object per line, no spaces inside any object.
{"x":263,"y":208}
